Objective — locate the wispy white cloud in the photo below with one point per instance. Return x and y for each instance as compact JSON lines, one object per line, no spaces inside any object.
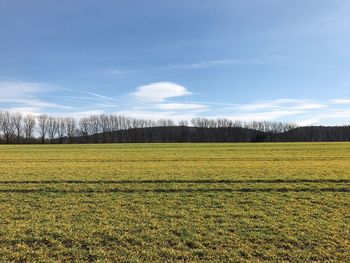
{"x":300,"y":111}
{"x":24,"y":110}
{"x":201,"y":64}
{"x":35,"y":97}
{"x":337,"y":114}
{"x":92,"y":95}
{"x":334,"y":21}
{"x":331,"y":116}
{"x":292,"y":104}
{"x":156,"y":114}
{"x":18,"y":89}
{"x":26,"y":95}
{"x":81,"y":114}
{"x":308,"y":122}
{"x":152,"y":102}
{"x":340,"y":101}
{"x":181,"y":106}
{"x":116,"y":72}
{"x":159,"y":92}
{"x":166,"y":100}
{"x":216,"y":63}
{"x":263,"y":116}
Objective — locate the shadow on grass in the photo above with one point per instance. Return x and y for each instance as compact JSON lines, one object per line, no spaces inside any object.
{"x":188,"y":190}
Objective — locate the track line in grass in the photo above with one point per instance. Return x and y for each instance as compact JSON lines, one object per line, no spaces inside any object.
{"x":188,"y":190}
{"x":187,"y":160}
{"x":177,"y":181}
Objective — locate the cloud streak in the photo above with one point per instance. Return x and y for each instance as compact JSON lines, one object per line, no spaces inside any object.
{"x":292,"y":104}
{"x":268,"y":60}
{"x":35,"y":98}
{"x":26,"y":94}
{"x":264,"y":116}
{"x":329,"y":23}
{"x":216,"y":63}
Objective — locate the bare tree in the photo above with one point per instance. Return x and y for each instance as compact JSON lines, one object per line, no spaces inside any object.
{"x":225,"y":123}
{"x":200,"y":122}
{"x":94,"y":126}
{"x":85,"y":128}
{"x":61,"y":132}
{"x":1,"y":124}
{"x":18,"y":122}
{"x":52,"y":128}
{"x":71,"y":127}
{"x":165,"y":123}
{"x":43,"y":125}
{"x":183,"y":123}
{"x":28,"y":126}
{"x":2,"y":116}
{"x":105,"y":126}
{"x":105,"y":123}
{"x":8,"y":126}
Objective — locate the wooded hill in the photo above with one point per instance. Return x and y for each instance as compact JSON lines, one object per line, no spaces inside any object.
{"x":19,"y":128}
{"x":194,"y":134}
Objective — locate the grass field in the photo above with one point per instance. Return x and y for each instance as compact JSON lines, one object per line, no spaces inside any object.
{"x":175,"y":202}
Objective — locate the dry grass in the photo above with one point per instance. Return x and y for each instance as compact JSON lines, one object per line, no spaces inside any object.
{"x":175,"y":202}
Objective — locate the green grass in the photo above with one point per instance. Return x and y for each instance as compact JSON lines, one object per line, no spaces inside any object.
{"x":175,"y":202}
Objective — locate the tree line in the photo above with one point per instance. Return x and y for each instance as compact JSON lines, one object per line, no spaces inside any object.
{"x":104,"y":128}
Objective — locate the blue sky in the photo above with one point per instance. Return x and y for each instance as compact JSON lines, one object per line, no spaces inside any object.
{"x":245,"y":60}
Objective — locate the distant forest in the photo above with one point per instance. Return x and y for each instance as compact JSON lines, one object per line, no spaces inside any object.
{"x":17,"y":128}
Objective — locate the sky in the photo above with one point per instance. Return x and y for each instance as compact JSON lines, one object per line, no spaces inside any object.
{"x":274,"y":60}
